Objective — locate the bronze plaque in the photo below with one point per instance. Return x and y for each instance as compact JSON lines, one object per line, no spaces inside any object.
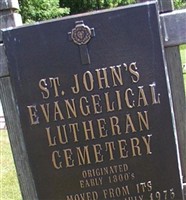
{"x":92,"y":95}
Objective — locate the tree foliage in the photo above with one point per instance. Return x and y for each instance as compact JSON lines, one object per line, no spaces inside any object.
{"x":38,"y":10}
{"x":79,"y":6}
{"x":180,"y":4}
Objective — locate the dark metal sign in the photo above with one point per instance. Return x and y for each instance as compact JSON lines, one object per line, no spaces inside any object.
{"x":95,"y":110}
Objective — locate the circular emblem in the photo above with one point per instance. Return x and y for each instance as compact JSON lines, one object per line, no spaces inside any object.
{"x":81,"y":34}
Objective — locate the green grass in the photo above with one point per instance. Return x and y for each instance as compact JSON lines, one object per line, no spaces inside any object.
{"x":183,"y":53}
{"x":183,"y":59}
{"x":184,"y":76}
{"x":9,"y":188}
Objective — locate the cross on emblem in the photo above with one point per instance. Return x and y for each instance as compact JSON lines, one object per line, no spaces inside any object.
{"x":81,"y":35}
